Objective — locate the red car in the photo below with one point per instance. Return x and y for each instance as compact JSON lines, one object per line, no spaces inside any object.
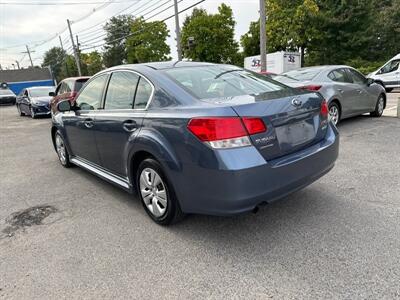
{"x":67,"y":90}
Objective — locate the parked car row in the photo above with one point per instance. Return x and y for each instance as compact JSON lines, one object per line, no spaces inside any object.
{"x":7,"y":96}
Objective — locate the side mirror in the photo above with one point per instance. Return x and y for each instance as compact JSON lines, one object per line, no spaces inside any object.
{"x":370,"y":81}
{"x":52,"y":94}
{"x":64,"y":106}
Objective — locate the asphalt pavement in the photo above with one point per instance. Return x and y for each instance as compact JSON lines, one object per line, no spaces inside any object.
{"x":66,"y":234}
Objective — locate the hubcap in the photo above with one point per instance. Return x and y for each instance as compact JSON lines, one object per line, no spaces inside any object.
{"x":153,"y":192}
{"x":61,"y":149}
{"x":334,"y":114}
{"x":380,"y":105}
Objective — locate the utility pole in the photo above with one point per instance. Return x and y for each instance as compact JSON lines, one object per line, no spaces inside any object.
{"x":263,"y":37}
{"x":177,"y":31}
{"x":29,"y":54}
{"x":75,"y":50}
{"x":17,"y":64}
{"x":66,"y":63}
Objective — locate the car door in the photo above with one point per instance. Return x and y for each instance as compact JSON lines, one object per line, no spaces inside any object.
{"x":346,"y":90}
{"x":79,"y":122}
{"x":119,"y":122}
{"x":366,"y":100}
{"x":390,"y":73}
{"x":25,"y":102}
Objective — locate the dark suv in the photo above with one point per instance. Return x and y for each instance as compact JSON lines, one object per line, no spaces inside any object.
{"x":196,"y":137}
{"x":67,"y":90}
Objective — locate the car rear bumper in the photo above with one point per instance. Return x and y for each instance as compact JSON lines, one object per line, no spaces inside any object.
{"x":251,"y":181}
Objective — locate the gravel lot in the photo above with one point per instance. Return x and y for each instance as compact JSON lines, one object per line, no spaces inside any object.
{"x":337,"y":239}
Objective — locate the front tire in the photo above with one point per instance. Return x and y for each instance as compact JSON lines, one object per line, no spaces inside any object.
{"x":334,"y":113}
{"x":156,"y":194}
{"x":61,"y":150}
{"x":379,"y":107}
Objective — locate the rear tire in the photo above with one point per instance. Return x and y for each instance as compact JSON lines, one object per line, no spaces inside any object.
{"x":334,"y":113}
{"x":156,"y":193}
{"x":61,"y":150}
{"x":379,"y":107}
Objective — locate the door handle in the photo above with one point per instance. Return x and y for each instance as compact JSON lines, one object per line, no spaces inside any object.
{"x":88,"y":122}
{"x":129,"y":125}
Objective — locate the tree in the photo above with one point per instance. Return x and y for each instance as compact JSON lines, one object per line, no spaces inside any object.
{"x":93,"y":62}
{"x":291,"y":26}
{"x":116,"y":31}
{"x":211,"y":36}
{"x":54,"y":58}
{"x":147,"y":42}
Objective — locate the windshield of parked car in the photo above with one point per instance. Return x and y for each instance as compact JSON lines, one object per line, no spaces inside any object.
{"x":6,"y":92}
{"x":222,"y":81}
{"x":41,"y":92}
{"x":304,"y":74}
{"x":79,"y":84}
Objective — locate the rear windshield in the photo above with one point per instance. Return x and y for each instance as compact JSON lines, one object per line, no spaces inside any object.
{"x":304,"y":74}
{"x":41,"y":92}
{"x":79,"y":84}
{"x":222,"y":81}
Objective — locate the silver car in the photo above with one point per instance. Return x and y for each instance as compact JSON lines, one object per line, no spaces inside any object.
{"x":348,"y":92}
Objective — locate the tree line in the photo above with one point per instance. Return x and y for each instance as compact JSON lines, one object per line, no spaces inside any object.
{"x":360,"y":33}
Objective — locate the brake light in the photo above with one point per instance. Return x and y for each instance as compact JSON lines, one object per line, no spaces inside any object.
{"x":324,"y":108}
{"x":225,"y":132}
{"x":311,"y":87}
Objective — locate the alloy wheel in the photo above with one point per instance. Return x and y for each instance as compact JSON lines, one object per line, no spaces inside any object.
{"x":60,"y":147}
{"x":334,"y":114}
{"x":381,"y":105}
{"x":153,"y":191}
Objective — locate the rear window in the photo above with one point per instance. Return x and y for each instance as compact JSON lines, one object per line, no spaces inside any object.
{"x":41,"y":92}
{"x":79,"y":84}
{"x":304,"y":74}
{"x":6,"y":92}
{"x":222,"y":81}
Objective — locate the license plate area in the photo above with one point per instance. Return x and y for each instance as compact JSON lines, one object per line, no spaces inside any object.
{"x":295,"y":134}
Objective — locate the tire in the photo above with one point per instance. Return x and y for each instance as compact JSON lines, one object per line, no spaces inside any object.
{"x":334,"y":113}
{"x":33,"y":115}
{"x":156,"y":193}
{"x":61,"y":150}
{"x":20,"y":111}
{"x":388,"y":90}
{"x":379,"y":107}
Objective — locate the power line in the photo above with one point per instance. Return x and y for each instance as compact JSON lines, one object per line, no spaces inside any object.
{"x":60,"y":3}
{"x":136,"y":32}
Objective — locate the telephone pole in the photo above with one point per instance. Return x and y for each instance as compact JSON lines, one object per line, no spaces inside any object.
{"x":177,"y":31}
{"x":263,"y":37}
{"x":17,"y":64}
{"x":29,"y":54}
{"x":75,"y":50}
{"x":66,"y":63}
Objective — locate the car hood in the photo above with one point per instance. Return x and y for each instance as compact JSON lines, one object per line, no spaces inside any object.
{"x":44,"y":100}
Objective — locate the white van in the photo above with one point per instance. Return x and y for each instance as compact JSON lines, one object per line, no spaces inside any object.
{"x":388,"y":75}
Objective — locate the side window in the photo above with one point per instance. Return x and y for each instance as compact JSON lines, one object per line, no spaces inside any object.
{"x":357,"y":77}
{"x":69,"y":86}
{"x":90,"y":97}
{"x":390,"y":66}
{"x":338,"y":75}
{"x":121,"y":90}
{"x":143,"y":94}
{"x":26,"y":93}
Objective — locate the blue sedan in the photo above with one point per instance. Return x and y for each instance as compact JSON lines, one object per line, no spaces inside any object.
{"x":196,"y":137}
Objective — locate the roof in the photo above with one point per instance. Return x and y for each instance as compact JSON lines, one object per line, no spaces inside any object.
{"x":31,"y":74}
{"x":76,"y":78}
{"x":38,"y":87}
{"x":163,"y":65}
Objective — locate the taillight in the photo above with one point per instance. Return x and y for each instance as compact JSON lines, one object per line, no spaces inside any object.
{"x":311,"y":87}
{"x":324,"y":108}
{"x":225,"y":132}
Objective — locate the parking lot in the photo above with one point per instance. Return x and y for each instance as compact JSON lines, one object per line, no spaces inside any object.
{"x":337,"y":239}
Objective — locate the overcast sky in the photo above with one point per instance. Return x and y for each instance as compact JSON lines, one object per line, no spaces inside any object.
{"x":29,"y":24}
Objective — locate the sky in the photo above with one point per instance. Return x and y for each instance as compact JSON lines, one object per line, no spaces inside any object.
{"x":32,"y":24}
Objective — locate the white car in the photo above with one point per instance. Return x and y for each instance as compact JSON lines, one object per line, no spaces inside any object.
{"x":388,"y":75}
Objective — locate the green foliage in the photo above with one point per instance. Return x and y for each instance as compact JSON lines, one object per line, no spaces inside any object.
{"x":147,"y":42}
{"x":68,"y":68}
{"x":54,"y":58}
{"x":115,"y":49}
{"x":250,"y":41}
{"x":92,"y":61}
{"x":213,"y":36}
